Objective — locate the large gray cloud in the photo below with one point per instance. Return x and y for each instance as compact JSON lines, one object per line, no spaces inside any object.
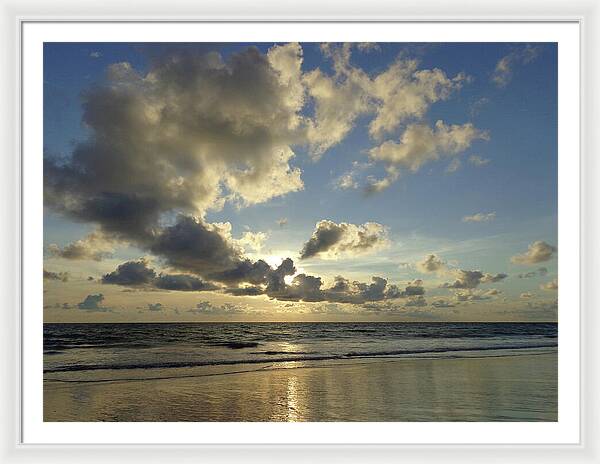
{"x":139,"y":274}
{"x":331,"y":240}
{"x":184,"y":136}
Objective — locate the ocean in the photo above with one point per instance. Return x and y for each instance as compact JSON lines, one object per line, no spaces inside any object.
{"x":313,"y":372}
{"x":88,"y":347}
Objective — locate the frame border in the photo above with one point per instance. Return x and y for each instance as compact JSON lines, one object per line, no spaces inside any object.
{"x":12,"y":245}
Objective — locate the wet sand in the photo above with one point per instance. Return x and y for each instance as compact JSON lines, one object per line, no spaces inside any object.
{"x":504,"y":388}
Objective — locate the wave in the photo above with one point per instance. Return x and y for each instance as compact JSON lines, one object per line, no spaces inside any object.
{"x":324,"y":357}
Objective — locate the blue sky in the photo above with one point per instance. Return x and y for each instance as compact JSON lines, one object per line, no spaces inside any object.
{"x":508,"y":176}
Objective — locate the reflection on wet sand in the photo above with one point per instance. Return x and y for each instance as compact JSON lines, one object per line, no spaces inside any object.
{"x":511,"y":388}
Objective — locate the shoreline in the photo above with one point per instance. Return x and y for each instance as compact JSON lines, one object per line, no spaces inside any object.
{"x":517,"y":387}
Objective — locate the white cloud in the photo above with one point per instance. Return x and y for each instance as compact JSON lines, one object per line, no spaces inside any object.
{"x":552,"y":285}
{"x":480,"y":217}
{"x":253,"y":240}
{"x":477,"y":160}
{"x":420,"y":144}
{"x":538,"y":252}
{"x":454,"y":165}
{"x":95,"y":246}
{"x":504,"y":70}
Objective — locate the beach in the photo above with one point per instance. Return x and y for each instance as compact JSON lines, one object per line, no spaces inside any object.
{"x":490,"y":387}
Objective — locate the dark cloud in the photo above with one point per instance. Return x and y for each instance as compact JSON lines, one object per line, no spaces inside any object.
{"x":182,"y":282}
{"x":61,"y":276}
{"x":131,"y":273}
{"x":92,"y":303}
{"x":331,"y":240}
{"x":309,"y":288}
{"x":155,"y":307}
{"x":245,"y":291}
{"x":138,"y":274}
{"x":471,"y":279}
{"x":195,"y":246}
{"x":207,"y":308}
{"x":542,"y":271}
{"x":431,"y":263}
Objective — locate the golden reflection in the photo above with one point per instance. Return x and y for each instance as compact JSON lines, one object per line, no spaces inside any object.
{"x":293,"y":414}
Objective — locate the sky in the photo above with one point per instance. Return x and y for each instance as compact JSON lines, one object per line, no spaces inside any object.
{"x":300,"y":182}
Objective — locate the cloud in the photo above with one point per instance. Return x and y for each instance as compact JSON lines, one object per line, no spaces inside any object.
{"x":182,"y":283}
{"x":542,"y":271}
{"x":368,"y":47}
{"x":401,"y":92}
{"x":250,"y":290}
{"x":131,"y":273}
{"x":546,"y":306}
{"x":421,"y":144}
{"x":418,"y":302}
{"x":480,"y":217}
{"x":253,"y":240}
{"x":471,"y":279}
{"x":537,"y":252}
{"x":92,"y":303}
{"x":470,"y":295}
{"x":476,"y":160}
{"x":552,"y":285}
{"x":61,"y":276}
{"x":207,"y":308}
{"x":346,"y":181}
{"x":95,"y":54}
{"x":137,"y":273}
{"x":330,"y":240}
{"x":309,"y":288}
{"x":441,"y":303}
{"x":155,"y":307}
{"x":454,"y":165}
{"x":504,"y":70}
{"x":189,"y":134}
{"x":431,"y":263}
{"x":95,"y":246}
{"x":476,"y":107}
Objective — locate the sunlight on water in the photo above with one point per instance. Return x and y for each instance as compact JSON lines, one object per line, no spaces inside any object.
{"x":292,"y":399}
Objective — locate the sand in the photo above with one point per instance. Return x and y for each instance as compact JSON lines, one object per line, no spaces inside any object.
{"x":505,"y":388}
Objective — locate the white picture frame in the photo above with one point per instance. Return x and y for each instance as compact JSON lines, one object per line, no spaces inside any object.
{"x":16,"y":14}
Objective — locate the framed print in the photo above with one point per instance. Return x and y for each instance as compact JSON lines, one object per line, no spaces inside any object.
{"x":325,"y":231}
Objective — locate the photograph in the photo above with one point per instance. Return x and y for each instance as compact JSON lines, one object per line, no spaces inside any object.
{"x":300,"y":232}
